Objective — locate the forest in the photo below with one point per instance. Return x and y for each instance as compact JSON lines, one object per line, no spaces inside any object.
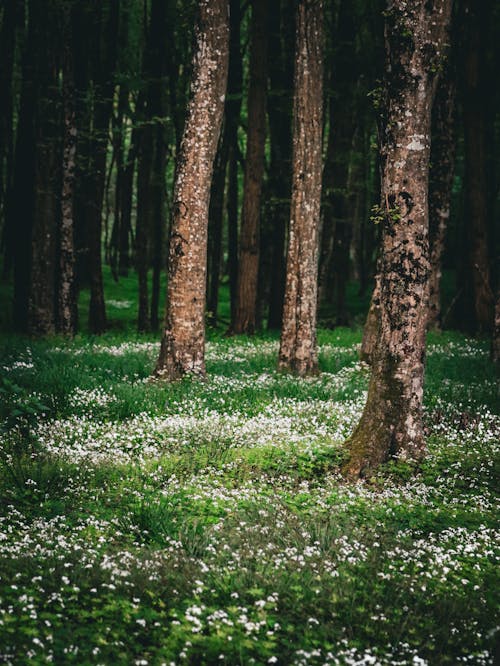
{"x":249,"y":332}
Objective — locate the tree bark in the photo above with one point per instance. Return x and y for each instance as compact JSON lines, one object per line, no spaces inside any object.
{"x":298,"y":347}
{"x":391,"y":424}
{"x":183,"y":343}
{"x":246,"y":301}
{"x":66,"y":316}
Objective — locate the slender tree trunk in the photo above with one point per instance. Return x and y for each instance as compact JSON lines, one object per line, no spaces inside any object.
{"x":42,"y":297}
{"x":495,"y":342}
{"x":337,"y":215}
{"x":475,"y":113}
{"x":279,"y":111}
{"x":126,"y":206}
{"x":391,"y":424}
{"x":440,"y":185}
{"x":119,"y":131}
{"x":159,"y":219}
{"x":232,"y":119}
{"x":298,"y":347}
{"x":99,"y":143}
{"x":183,"y":343}
{"x":66,"y":316}
{"x":215,"y":225}
{"x":246,"y":302}
{"x":20,"y":202}
{"x":7,"y":51}
{"x":143,"y":225}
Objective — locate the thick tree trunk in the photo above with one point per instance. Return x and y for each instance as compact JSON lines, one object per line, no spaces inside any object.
{"x":66,"y":311}
{"x":298,"y":347}
{"x":391,"y":424}
{"x":476,"y":189}
{"x":246,"y":302}
{"x":183,"y":343}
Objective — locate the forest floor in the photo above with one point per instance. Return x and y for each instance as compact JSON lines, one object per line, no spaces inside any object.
{"x":205,"y":522}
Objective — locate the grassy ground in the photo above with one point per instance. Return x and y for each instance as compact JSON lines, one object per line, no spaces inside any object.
{"x":206,"y":522}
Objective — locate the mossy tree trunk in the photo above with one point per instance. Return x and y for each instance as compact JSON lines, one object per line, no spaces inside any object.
{"x":298,"y":348}
{"x":183,"y":343}
{"x":391,"y":424}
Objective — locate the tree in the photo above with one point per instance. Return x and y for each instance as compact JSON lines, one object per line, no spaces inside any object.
{"x":391,"y":423}
{"x":183,"y":342}
{"x":440,"y":184}
{"x":246,"y":300}
{"x":66,"y":313}
{"x":279,"y":110}
{"x":475,"y":117}
{"x":298,"y":347}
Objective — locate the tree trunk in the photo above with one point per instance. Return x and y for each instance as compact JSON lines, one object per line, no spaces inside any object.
{"x":20,"y":202}
{"x":98,"y":148}
{"x":246,"y":302}
{"x":215,"y":220}
{"x":391,"y":424}
{"x":476,"y":190}
{"x":232,"y":119}
{"x":440,"y":185}
{"x":8,"y":36}
{"x":66,"y":316}
{"x":495,"y":342}
{"x":337,"y":216}
{"x":298,"y":347}
{"x":183,"y":343}
{"x":103,"y":67}
{"x":279,"y":111}
{"x":143,"y":224}
{"x":42,"y":297}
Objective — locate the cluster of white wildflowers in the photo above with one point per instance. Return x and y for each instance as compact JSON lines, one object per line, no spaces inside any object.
{"x":119,"y":305}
